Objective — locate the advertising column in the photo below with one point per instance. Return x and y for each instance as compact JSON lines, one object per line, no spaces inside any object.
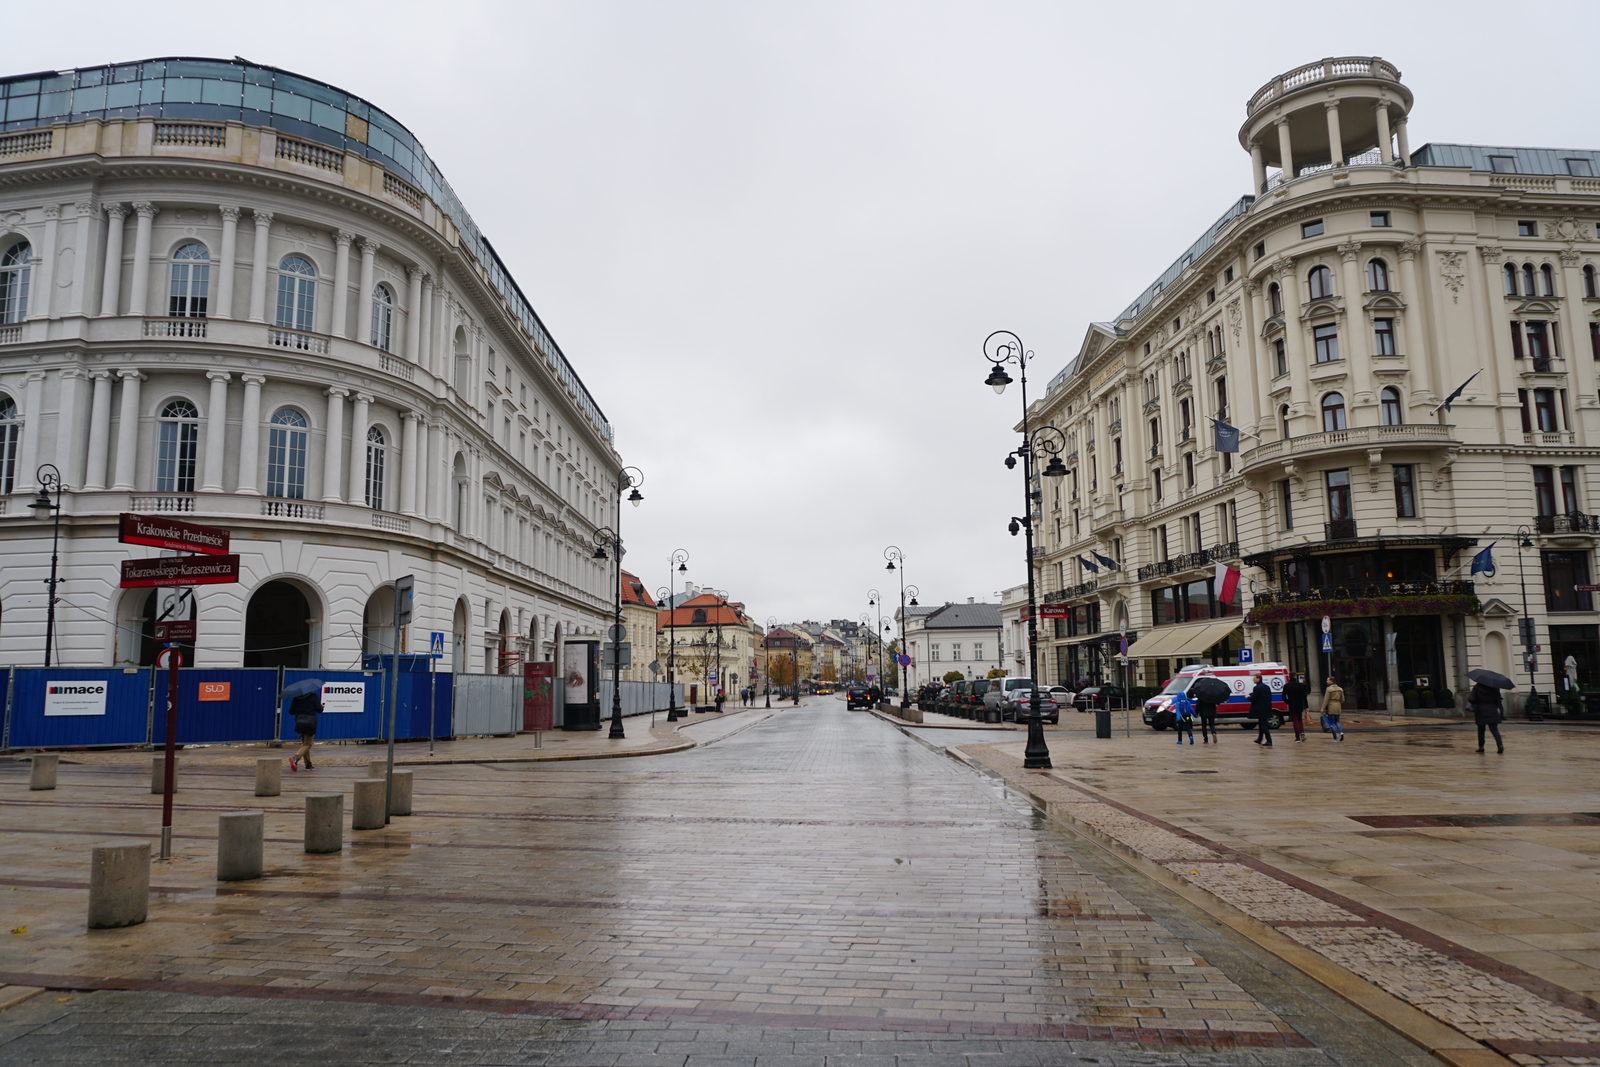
{"x":580,"y":668}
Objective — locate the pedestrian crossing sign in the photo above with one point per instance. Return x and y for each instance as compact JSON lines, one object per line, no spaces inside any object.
{"x":436,"y":645}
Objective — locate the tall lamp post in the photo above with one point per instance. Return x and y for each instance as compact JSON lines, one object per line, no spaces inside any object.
{"x":866,"y":624}
{"x":772,"y":624}
{"x":1000,"y":348}
{"x":875,"y":601}
{"x":628,"y":480}
{"x":677,"y":563}
{"x":49,"y":478}
{"x":895,"y":556}
{"x":1530,"y":636}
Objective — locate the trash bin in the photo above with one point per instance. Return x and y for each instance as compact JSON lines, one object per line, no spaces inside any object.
{"x":1102,"y":722}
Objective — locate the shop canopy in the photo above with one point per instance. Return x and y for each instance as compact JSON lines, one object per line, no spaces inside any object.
{"x":1188,"y":639}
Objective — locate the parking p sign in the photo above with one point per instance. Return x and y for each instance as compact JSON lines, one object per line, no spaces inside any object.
{"x":1246,"y":655}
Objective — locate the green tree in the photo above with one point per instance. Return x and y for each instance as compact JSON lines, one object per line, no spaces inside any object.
{"x":953,"y":676}
{"x":996,"y":673}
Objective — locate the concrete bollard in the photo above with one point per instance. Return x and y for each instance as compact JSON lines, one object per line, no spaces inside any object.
{"x":44,"y":771}
{"x":400,"y":795}
{"x":239,"y":845}
{"x":119,"y":885}
{"x":269,"y":776}
{"x":324,"y":822}
{"x":366,"y":813}
{"x":158,"y":774}
{"x":377,"y":768}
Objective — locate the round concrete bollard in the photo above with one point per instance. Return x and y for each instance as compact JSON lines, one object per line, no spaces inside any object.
{"x":324,"y":822}
{"x":377,"y":768}
{"x":366,"y":813}
{"x":269,"y":776}
{"x":44,"y":771}
{"x":400,"y":795}
{"x":158,"y":774}
{"x":119,"y":885}
{"x":239,"y":845}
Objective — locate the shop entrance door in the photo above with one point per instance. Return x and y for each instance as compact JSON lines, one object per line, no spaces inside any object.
{"x":1355,"y":664}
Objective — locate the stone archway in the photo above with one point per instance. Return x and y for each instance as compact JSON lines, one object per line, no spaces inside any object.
{"x":458,"y":642}
{"x":377,"y":623}
{"x":282,"y":627}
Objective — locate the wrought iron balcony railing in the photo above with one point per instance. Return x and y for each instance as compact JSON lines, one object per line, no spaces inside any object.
{"x":1364,"y":590}
{"x":1339,"y":530}
{"x":1574,"y":523}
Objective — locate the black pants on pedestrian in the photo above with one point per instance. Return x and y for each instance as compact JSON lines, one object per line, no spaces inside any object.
{"x":1208,"y":723}
{"x":1494,"y":728}
{"x":1264,"y":730}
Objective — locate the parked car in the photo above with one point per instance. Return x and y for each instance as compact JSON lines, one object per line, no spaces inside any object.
{"x":1061,"y":694}
{"x":857,"y":696}
{"x":1100,"y":697}
{"x":1001,"y":690}
{"x":975,"y":693}
{"x":1019,"y":706}
{"x":951,"y":702}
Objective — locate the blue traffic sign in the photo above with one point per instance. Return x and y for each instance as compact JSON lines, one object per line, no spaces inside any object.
{"x":436,"y":645}
{"x":1327,"y":642}
{"x":1245,"y":655}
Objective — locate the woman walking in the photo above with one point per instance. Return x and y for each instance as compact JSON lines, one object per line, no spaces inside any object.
{"x":1487,"y":712}
{"x":1333,"y":707}
{"x":1206,"y":707}
{"x":1183,"y":712}
{"x":1261,"y":710}
{"x":305,"y":709}
{"x":1294,"y":695}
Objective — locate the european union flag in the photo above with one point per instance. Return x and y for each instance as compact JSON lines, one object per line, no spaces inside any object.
{"x":1451,"y":399}
{"x":1108,"y":564}
{"x":1090,"y":567}
{"x":1224,"y":438}
{"x":1483,"y":562}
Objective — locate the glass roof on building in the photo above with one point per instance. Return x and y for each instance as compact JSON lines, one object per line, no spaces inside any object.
{"x":220,"y":90}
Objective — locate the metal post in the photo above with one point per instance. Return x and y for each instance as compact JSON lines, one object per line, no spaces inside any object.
{"x":168,"y":775}
{"x":433,"y":697}
{"x":1530,"y":641}
{"x":49,"y":477}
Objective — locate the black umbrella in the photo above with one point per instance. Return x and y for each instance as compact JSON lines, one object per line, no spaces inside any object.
{"x":1210,"y":690}
{"x":1490,"y":678}
{"x":302,"y":687}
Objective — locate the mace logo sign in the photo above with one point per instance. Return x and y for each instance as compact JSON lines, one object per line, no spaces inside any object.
{"x":348,"y":698}
{"x":75,"y":698}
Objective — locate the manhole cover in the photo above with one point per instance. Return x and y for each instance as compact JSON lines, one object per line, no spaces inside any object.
{"x":1197,"y":772}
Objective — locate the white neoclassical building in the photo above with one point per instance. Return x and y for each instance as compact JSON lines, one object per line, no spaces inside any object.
{"x":248,"y":299}
{"x":1328,"y":314}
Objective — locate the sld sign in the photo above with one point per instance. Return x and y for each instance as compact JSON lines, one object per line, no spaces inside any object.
{"x":159,"y":531}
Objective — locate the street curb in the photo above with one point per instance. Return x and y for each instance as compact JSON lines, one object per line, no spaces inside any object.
{"x":12,"y":995}
{"x":897,"y":721}
{"x":1437,"y":1038}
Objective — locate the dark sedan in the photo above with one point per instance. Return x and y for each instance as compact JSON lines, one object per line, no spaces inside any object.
{"x":1100,"y":697}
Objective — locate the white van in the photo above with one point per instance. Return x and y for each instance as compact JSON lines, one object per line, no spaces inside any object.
{"x":1158,"y":709}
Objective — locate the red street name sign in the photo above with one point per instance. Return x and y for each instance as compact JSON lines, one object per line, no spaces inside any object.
{"x":180,"y":570}
{"x":1587,"y":588}
{"x":1052,"y":610}
{"x":159,"y":531}
{"x":175,"y":631}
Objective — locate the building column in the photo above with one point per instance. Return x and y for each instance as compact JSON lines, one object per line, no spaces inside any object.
{"x":216,"y":431}
{"x":413,"y":349}
{"x":358,"y":448}
{"x":1257,"y":365}
{"x":368,"y":288}
{"x":1357,"y":354}
{"x":78,"y":302}
{"x":1417,"y":358}
{"x":1335,"y":141}
{"x":139,"y":299}
{"x":1405,"y":143}
{"x":32,"y":417}
{"x":408,"y":464}
{"x":1385,"y":146}
{"x":69,"y":442}
{"x":441,"y":476}
{"x":127,"y":430}
{"x":250,"y":435}
{"x":222,"y":306}
{"x":1285,"y":150}
{"x":341,"y":282}
{"x":258,"y":270}
{"x":425,"y":327}
{"x":111,"y":284}
{"x":1258,"y":169}
{"x":44,"y":265}
{"x":94,"y":472}
{"x":333,"y":447}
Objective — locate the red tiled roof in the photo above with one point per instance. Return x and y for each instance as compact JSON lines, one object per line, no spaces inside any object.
{"x":714,"y":612}
{"x":634,"y":592}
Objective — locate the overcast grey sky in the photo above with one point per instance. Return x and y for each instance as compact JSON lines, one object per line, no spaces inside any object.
{"x":772,"y":236}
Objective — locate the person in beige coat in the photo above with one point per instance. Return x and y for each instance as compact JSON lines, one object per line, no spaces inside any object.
{"x":1333,"y":707}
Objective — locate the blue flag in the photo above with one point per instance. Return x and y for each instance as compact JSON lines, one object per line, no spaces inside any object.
{"x":1108,"y":564}
{"x":1090,"y":567}
{"x":1224,"y":438}
{"x":1449,"y":399}
{"x":1483,"y":562}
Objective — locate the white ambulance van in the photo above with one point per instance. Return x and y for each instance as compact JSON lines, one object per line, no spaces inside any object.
{"x":1158,"y":709}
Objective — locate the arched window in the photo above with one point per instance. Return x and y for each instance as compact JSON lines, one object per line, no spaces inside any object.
{"x":191,"y":279}
{"x":1547,"y":277}
{"x":1333,"y":412}
{"x":1389,"y":400}
{"x":176,"y":447}
{"x":10,"y":436}
{"x":297,"y":294}
{"x":1320,"y":282}
{"x":458,"y":509}
{"x":286,"y":454}
{"x":1377,"y":276}
{"x":1528,"y":286}
{"x":376,"y":456}
{"x":1275,"y":298}
{"x":1591,"y":288}
{"x":1283,"y":420}
{"x":382,"y":317}
{"x":14,"y":272}
{"x":1511,"y":279}
{"x":699,"y":618}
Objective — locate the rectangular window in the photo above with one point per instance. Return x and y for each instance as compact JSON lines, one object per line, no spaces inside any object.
{"x":1405,"y":497}
{"x":1284,"y":502}
{"x":1569,"y":490}
{"x":955,"y":652}
{"x":1594,"y":339}
{"x":1527,"y":416}
{"x":1338,"y":495}
{"x":1195,"y":537}
{"x":1161,"y":544}
{"x":1155,"y":482}
{"x":1563,"y":573}
{"x":1325,"y":340}
{"x":1383,"y":337}
{"x":1503,"y":164}
{"x":1260,"y":249}
{"x":1525,"y":228}
{"x":1380,"y":218}
{"x":977,"y":652}
{"x":933,"y":653}
{"x":1311,"y":229}
{"x":1544,"y":410}
{"x":1538,"y":348}
{"x":1544,"y":492}
{"x":1580,"y":168}
{"x":1188,"y":470}
{"x":1280,"y":361}
{"x":1227,"y":275}
{"x":1211,"y":296}
{"x":175,"y":456}
{"x":1516,"y":340}
{"x":1164,"y":606}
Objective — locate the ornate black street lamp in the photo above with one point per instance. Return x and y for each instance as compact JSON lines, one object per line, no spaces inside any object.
{"x":49,"y":478}
{"x":677,"y":563}
{"x":772,"y":624}
{"x":894,"y":556}
{"x":628,"y":480}
{"x":1000,"y":348}
{"x":1530,"y":635}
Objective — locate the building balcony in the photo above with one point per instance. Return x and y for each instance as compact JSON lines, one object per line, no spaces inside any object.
{"x":1321,"y":71}
{"x":1577,"y":523}
{"x":1550,"y":438}
{"x":1190,"y":561}
{"x":1339,"y":530}
{"x":1357,"y":438}
{"x":1394,"y":598}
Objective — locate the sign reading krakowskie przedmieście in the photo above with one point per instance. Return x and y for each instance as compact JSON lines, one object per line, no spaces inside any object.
{"x":161,"y":531}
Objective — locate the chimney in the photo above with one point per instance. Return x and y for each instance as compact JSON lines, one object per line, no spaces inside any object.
{"x":970,"y":600}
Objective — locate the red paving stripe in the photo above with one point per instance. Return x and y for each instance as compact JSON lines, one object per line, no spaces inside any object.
{"x":1152,"y":1035}
{"x":1567,"y":998}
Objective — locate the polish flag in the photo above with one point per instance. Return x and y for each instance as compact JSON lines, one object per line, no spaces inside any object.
{"x":1227,"y":583}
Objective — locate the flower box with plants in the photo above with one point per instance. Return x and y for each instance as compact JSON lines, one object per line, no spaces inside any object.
{"x":1451,"y":604}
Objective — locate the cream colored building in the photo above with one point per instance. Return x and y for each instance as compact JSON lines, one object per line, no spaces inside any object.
{"x":1328,"y":314}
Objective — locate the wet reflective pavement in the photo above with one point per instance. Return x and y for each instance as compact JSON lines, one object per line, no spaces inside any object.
{"x":816,"y":889}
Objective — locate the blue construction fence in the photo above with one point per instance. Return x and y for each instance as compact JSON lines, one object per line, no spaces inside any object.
{"x":61,"y":707}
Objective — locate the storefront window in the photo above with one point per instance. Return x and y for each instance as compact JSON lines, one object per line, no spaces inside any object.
{"x":1581,"y":643}
{"x":1563,"y":571}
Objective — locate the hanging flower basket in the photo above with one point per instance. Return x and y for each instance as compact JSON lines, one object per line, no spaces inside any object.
{"x":1454,"y":604}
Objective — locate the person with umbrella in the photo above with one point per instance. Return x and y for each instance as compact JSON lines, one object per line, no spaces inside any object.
{"x":1207,"y":692}
{"x":305,"y":704}
{"x":1183,"y":714}
{"x":1296,"y":695}
{"x":1486,"y":705}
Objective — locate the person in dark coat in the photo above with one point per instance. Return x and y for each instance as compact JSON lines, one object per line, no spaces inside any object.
{"x":1207,"y":712}
{"x":305,"y":708}
{"x":1261,"y":710}
{"x":1487,"y":711}
{"x":1297,"y":695}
